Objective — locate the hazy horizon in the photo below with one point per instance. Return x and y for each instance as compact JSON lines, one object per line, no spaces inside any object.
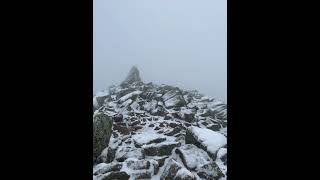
{"x":181,"y":43}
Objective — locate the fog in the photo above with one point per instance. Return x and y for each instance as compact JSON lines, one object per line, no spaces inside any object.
{"x":176,"y":42}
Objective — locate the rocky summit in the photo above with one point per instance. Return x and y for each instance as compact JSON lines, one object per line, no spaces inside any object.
{"x":160,"y":132}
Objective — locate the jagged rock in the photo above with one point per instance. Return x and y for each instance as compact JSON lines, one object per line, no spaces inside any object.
{"x":173,"y":125}
{"x":206,"y":139}
{"x":176,"y":101}
{"x":198,"y":160}
{"x":133,"y":76}
{"x":184,"y":174}
{"x":122,"y":129}
{"x":147,"y":138}
{"x":159,"y":111}
{"x":160,"y":149}
{"x":124,"y":153}
{"x":125,"y":91}
{"x":118,"y":118}
{"x":170,"y":170}
{"x":187,"y":114}
{"x":175,"y":171}
{"x":142,"y":168}
{"x":160,"y":160}
{"x":102,"y":129}
{"x":161,"y":115}
{"x":100,"y":100}
{"x":214,"y":127}
{"x":115,"y":175}
{"x":105,"y":168}
{"x":137,"y":164}
{"x":173,"y":131}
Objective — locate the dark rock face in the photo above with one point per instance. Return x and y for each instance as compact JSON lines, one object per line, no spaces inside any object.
{"x":161,"y":160}
{"x":173,"y":131}
{"x":116,"y":175}
{"x":129,"y":152}
{"x":102,"y":129}
{"x":108,"y":168}
{"x":133,"y":76}
{"x":160,"y":149}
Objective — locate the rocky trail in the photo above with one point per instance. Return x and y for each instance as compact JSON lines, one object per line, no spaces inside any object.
{"x":147,"y":131}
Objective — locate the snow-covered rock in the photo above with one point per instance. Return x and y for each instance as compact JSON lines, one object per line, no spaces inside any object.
{"x":175,"y":171}
{"x":158,"y":132}
{"x":148,"y":138}
{"x":198,"y":160}
{"x":210,"y":140}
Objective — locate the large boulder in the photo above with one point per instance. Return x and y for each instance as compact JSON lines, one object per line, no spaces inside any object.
{"x":208,"y":140}
{"x":175,"y":171}
{"x":102,"y":129}
{"x":198,"y":160}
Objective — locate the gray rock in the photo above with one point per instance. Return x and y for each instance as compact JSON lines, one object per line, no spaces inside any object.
{"x":138,"y":164}
{"x":102,"y":129}
{"x":124,"y":153}
{"x":173,"y":131}
{"x":175,"y":171}
{"x":108,"y":168}
{"x":133,"y":76}
{"x":160,"y":160}
{"x":116,"y":175}
{"x":198,"y":160}
{"x":160,"y":149}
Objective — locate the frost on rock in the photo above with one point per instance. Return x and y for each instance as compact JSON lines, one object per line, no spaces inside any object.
{"x":176,"y":101}
{"x":192,"y":156}
{"x":148,"y":138}
{"x":158,"y":132}
{"x":211,"y":140}
{"x":130,"y":95}
{"x":222,"y":160}
{"x":198,"y":160}
{"x":160,"y":149}
{"x":184,"y":174}
{"x":126,"y":152}
{"x":175,"y":171}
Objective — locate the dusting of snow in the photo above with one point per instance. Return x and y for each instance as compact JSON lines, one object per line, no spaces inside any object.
{"x":184,"y":173}
{"x":146,"y":137}
{"x":127,"y":96}
{"x":211,"y":139}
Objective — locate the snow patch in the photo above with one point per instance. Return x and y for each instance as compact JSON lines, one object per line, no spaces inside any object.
{"x":211,"y":139}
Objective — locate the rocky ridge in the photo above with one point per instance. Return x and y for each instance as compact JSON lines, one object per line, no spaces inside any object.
{"x":148,"y":131}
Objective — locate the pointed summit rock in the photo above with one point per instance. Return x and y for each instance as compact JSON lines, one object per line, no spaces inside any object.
{"x":133,"y":76}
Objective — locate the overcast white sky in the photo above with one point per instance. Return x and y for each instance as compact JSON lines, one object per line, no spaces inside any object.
{"x":175,"y":42}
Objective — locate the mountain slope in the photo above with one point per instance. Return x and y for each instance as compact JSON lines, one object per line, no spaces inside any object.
{"x":156,"y":132}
